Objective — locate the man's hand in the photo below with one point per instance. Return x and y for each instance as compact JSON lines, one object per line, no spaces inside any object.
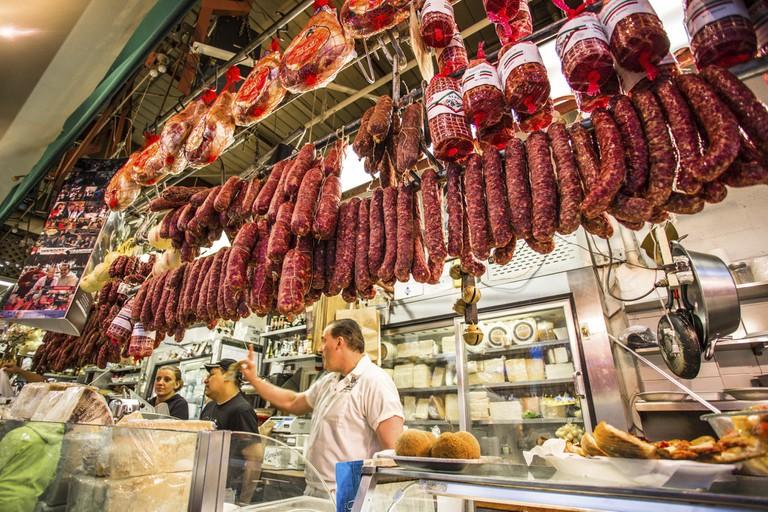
{"x":248,"y":366}
{"x":10,"y":367}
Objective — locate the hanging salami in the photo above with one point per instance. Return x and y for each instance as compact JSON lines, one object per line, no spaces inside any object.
{"x":520,"y":26}
{"x":538,"y":120}
{"x":453,"y":58}
{"x":582,"y":46}
{"x":573,"y":8}
{"x":317,"y":54}
{"x":524,"y":77}
{"x":481,"y":93}
{"x":451,"y":138}
{"x":437,"y":23}
{"x":758,"y":12}
{"x":720,"y":32}
{"x":499,"y":134}
{"x":608,"y":92}
{"x":637,"y":38}
{"x":365,"y":18}
{"x":262,"y":91}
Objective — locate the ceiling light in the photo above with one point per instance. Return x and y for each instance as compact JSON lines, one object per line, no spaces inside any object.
{"x":11,"y":32}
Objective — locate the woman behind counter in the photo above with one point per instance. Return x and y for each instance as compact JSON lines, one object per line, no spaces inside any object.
{"x":167,"y":384}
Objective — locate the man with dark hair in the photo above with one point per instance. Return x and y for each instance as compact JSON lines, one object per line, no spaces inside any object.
{"x":356,"y":408}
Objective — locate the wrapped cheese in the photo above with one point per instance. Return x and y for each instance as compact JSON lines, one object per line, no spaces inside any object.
{"x":165,"y":492}
{"x":436,"y":407}
{"x":517,"y":370}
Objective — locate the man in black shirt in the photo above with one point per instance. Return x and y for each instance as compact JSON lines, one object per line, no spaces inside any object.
{"x":229,"y":410}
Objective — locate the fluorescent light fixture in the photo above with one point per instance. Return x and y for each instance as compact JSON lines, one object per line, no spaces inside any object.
{"x":11,"y":32}
{"x":5,"y":283}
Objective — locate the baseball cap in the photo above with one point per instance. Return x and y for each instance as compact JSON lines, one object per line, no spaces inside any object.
{"x":225,"y":364}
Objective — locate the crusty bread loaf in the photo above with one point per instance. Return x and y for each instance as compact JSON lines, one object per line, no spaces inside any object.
{"x":456,"y":445}
{"x":415,"y":443}
{"x":618,"y":443}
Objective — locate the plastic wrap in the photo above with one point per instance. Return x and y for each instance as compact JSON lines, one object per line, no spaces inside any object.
{"x":582,"y":46}
{"x":317,"y":54}
{"x":538,"y":120}
{"x":261,"y":92}
{"x":482,"y":97}
{"x":502,"y":12}
{"x":437,"y":23}
{"x":165,"y":492}
{"x":61,"y":402}
{"x":637,"y":38}
{"x":520,"y":26}
{"x":451,"y":138}
{"x":122,"y":191}
{"x":758,"y":12}
{"x":148,"y":166}
{"x":453,"y":58}
{"x":365,"y":18}
{"x":216,"y":129}
{"x":720,"y":32}
{"x":177,"y":129}
{"x":524,"y":77}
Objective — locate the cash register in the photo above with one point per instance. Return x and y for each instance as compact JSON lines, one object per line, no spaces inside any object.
{"x":291,"y":434}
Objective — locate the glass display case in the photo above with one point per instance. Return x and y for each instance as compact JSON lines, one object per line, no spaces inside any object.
{"x":421,"y":359}
{"x":524,"y":380}
{"x":163,"y":465}
{"x":193,"y":375}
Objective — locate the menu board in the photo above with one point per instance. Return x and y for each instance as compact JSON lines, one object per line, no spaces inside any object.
{"x":46,"y":294}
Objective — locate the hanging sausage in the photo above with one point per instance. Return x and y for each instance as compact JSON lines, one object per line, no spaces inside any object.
{"x":481,"y":93}
{"x":437,"y":23}
{"x":582,"y":46}
{"x":524,"y":77}
{"x":452,"y":58}
{"x":720,"y":32}
{"x":451,"y":138}
{"x":520,"y":26}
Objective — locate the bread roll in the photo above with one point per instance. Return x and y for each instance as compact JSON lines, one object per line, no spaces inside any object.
{"x":415,"y":443}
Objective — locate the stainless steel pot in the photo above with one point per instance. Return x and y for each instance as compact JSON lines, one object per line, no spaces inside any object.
{"x":712,"y":298}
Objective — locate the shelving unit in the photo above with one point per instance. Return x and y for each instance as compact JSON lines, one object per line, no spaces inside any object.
{"x":526,"y":384}
{"x":283,"y":332}
{"x":532,"y":421}
{"x":495,"y":352}
{"x":300,"y":357}
{"x":441,"y":358}
{"x":427,"y":390}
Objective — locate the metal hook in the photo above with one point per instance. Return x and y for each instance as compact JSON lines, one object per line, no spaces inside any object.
{"x":367,"y":74}
{"x":434,"y":161}
{"x":385,"y":50}
{"x":393,"y":36}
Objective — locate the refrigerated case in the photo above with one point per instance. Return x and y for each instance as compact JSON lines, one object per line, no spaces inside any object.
{"x":522,"y":382}
{"x":193,"y":375}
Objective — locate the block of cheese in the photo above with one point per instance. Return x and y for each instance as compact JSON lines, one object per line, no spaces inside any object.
{"x":559,"y":371}
{"x":562,"y":355}
{"x":436,"y":407}
{"x":516,"y":370}
{"x":479,"y":404}
{"x":438,"y":376}
{"x":422,"y":376}
{"x":61,"y":402}
{"x":448,"y":344}
{"x":452,"y":408}
{"x":494,"y":366}
{"x":535,"y":368}
{"x":422,"y":409}
{"x":485,"y":378}
{"x":426,"y":348}
{"x":162,"y":492}
{"x":404,"y":375}
{"x":409,"y":407}
{"x":507,"y":410}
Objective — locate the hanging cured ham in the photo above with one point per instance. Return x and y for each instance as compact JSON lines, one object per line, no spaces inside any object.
{"x":148,"y":165}
{"x":365,"y":18}
{"x":122,"y":191}
{"x":177,"y":129}
{"x":317,"y":54}
{"x":215,"y":131}
{"x":262,"y":91}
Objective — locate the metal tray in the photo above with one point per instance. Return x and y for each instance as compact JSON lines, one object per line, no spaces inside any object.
{"x":435,"y":464}
{"x":752,"y":394}
{"x":662,"y":396}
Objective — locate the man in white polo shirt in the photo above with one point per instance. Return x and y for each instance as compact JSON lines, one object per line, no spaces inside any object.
{"x":356,"y":408}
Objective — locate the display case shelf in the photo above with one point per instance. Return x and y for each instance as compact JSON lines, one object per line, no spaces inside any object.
{"x":527,"y":384}
{"x":493,"y":352}
{"x":430,"y":423}
{"x":532,"y":421}
{"x":283,"y":332}
{"x":441,"y":358}
{"x":427,"y":390}
{"x":298,"y":357}
{"x":124,"y":383}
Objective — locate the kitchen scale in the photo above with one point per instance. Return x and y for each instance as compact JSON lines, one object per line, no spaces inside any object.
{"x":288,"y":444}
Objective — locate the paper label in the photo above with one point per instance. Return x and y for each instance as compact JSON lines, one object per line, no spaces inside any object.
{"x":443,"y":6}
{"x":613,"y":12}
{"x":445,"y":102}
{"x":700,"y":13}
{"x":580,"y":28}
{"x":516,"y":56}
{"x":479,"y":75}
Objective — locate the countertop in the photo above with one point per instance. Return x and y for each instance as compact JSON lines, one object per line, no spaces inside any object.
{"x":693,"y":406}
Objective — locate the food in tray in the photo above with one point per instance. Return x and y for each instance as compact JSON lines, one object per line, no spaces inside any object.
{"x":618,"y":443}
{"x":557,"y":407}
{"x":456,"y":445}
{"x":570,"y":432}
{"x":744,"y":433}
{"x":415,"y":443}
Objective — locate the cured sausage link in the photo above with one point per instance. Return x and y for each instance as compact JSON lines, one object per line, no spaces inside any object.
{"x":433,"y":214}
{"x":685,"y":133}
{"x":405,"y":233}
{"x":662,"y":154}
{"x":499,"y":215}
{"x":387,"y":270}
{"x":543,"y":186}
{"x":719,"y":123}
{"x":569,"y":184}
{"x":474,"y":196}
{"x":635,"y":147}
{"x":518,"y":188}
{"x":612,"y":165}
{"x":455,"y":206}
